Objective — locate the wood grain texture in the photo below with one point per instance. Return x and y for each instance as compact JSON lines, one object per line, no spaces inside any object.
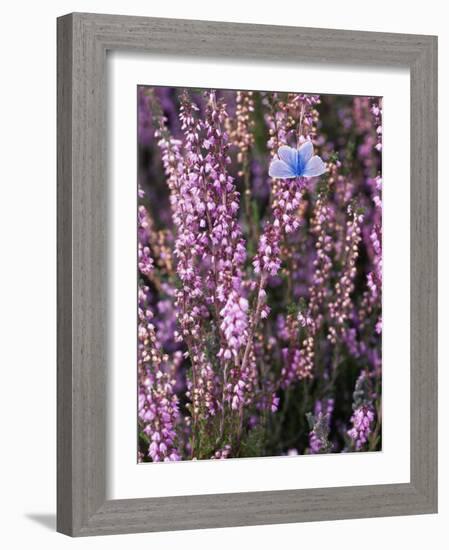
{"x":64,"y":275}
{"x":83,"y":40}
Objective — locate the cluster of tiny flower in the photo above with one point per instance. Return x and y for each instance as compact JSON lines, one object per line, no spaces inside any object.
{"x":234,"y":325}
{"x":229,"y":251}
{"x":268,"y":255}
{"x":158,"y":403}
{"x":222,"y":453}
{"x":241,"y":132}
{"x":375,"y":276}
{"x":340,"y":308}
{"x":376,"y":110}
{"x":320,"y":227}
{"x":303,"y":358}
{"x":144,"y":260}
{"x":362,"y":421}
{"x":293,"y":366}
{"x":320,"y":421}
{"x":201,"y":388}
{"x":363,"y":416}
{"x":294,"y":118}
{"x":298,"y":357}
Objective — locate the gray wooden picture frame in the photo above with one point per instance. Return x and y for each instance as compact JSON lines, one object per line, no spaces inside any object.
{"x":83,"y":40}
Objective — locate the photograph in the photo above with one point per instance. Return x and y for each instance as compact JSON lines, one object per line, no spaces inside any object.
{"x":230,"y":220}
{"x":259,"y":276}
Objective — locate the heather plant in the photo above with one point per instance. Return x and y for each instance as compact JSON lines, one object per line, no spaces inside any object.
{"x":259,"y":274}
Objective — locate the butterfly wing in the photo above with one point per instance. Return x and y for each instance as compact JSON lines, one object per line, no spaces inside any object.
{"x":280,"y":169}
{"x":288,"y":155}
{"x":305,"y":153}
{"x":315,"y":167}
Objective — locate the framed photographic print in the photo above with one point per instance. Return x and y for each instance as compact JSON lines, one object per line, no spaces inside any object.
{"x":247,"y":285}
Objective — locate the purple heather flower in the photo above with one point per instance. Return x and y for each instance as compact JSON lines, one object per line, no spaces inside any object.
{"x":234,"y":324}
{"x":320,"y":426}
{"x":292,"y":361}
{"x":362,"y":421}
{"x":318,"y":435}
{"x":223,"y":453}
{"x":158,"y":403}
{"x":341,"y":305}
{"x":363,"y":411}
{"x":274,"y":403}
{"x":379,"y":325}
{"x":376,"y":110}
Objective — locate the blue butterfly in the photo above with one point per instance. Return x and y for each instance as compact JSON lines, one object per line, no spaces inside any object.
{"x":294,"y":163}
